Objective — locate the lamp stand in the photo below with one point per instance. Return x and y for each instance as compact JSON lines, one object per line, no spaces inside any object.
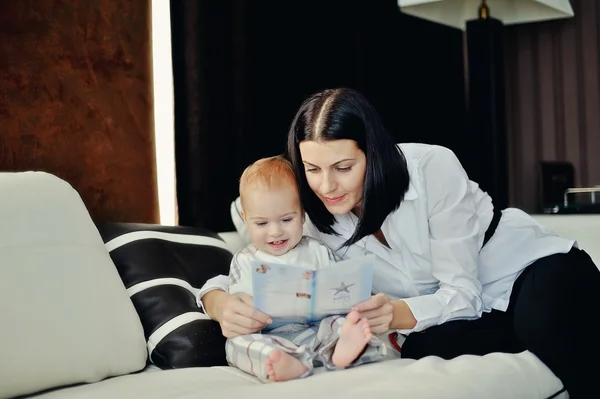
{"x":486,"y":106}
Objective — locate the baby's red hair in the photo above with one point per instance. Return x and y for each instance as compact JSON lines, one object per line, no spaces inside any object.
{"x":267,"y":173}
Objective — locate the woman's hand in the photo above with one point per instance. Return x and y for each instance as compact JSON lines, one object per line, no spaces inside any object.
{"x":384,"y":314}
{"x":379,"y":311}
{"x":235,"y":313}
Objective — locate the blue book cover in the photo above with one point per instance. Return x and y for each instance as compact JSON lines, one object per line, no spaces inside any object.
{"x":293,"y":294}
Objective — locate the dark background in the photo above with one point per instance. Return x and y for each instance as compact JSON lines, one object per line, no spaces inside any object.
{"x":76,"y":92}
{"x":242,"y":69}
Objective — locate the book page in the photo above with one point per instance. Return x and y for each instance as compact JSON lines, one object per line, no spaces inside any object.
{"x":283,"y":292}
{"x":341,"y":286}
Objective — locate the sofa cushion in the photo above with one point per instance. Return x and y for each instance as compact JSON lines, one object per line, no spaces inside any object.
{"x":163,"y":268}
{"x":235,"y":210}
{"x":584,"y":228}
{"x":494,"y":376}
{"x":65,"y":315}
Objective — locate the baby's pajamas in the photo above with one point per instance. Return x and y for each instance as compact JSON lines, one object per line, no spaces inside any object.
{"x":311,"y":345}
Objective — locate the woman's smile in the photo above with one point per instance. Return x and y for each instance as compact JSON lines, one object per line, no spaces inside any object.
{"x":334,"y":200}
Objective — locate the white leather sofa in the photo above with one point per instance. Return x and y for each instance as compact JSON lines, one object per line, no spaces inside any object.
{"x":70,"y":329}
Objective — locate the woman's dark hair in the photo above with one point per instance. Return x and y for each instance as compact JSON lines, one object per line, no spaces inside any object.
{"x":346,"y":114}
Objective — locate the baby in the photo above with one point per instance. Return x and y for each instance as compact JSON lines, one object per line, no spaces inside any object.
{"x":274,"y":218}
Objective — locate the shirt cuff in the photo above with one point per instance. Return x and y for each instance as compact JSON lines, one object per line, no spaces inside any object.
{"x":426,"y":309}
{"x":220,"y":282}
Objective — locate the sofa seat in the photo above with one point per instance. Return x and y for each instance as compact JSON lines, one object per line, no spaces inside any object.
{"x":492,"y":376}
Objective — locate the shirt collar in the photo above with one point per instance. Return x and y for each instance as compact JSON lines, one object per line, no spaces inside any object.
{"x":412,"y":193}
{"x":349,"y":221}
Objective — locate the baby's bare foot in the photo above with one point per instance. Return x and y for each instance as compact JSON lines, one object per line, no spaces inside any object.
{"x":282,"y":366}
{"x":354,"y":337}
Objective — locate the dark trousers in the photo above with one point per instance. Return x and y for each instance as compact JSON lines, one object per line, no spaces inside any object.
{"x":553,"y":312}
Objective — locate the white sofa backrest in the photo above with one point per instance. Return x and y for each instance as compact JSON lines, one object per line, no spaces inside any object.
{"x":583,"y":228}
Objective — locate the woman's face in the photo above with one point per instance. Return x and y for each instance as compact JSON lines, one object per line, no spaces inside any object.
{"x":335,"y":171}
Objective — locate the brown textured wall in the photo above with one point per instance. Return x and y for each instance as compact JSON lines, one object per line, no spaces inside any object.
{"x":76,"y":100}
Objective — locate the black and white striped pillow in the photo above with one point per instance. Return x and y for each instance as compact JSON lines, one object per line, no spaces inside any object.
{"x":163,"y":268}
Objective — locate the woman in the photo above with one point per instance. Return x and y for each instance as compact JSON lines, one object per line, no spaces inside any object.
{"x":455,"y":274}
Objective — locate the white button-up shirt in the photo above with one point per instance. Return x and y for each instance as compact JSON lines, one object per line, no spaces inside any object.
{"x":435,"y":260}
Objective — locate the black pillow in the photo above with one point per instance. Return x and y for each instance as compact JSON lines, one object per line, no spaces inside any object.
{"x":162,"y":268}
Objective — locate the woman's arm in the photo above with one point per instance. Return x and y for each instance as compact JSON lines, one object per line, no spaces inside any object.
{"x":454,"y":244}
{"x":402,"y":316}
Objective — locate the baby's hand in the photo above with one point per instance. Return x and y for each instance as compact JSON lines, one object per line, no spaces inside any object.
{"x":239,"y":317}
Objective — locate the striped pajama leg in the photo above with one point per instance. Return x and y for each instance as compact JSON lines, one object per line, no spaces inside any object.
{"x":328,"y":334}
{"x":249,"y":353}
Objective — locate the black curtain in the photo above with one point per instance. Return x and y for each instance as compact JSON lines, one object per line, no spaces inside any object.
{"x":242,"y":68}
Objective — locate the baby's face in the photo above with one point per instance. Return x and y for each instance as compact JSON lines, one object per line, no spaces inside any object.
{"x":274,"y":218}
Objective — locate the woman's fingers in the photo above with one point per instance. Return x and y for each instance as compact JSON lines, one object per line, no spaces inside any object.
{"x":372,"y":314}
{"x":376,"y":317}
{"x":378,"y":310}
{"x":367,"y":305}
{"x":374,"y":302}
{"x":380,"y":324}
{"x":375,"y":306}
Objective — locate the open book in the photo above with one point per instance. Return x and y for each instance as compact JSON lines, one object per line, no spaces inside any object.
{"x":293,"y":294}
